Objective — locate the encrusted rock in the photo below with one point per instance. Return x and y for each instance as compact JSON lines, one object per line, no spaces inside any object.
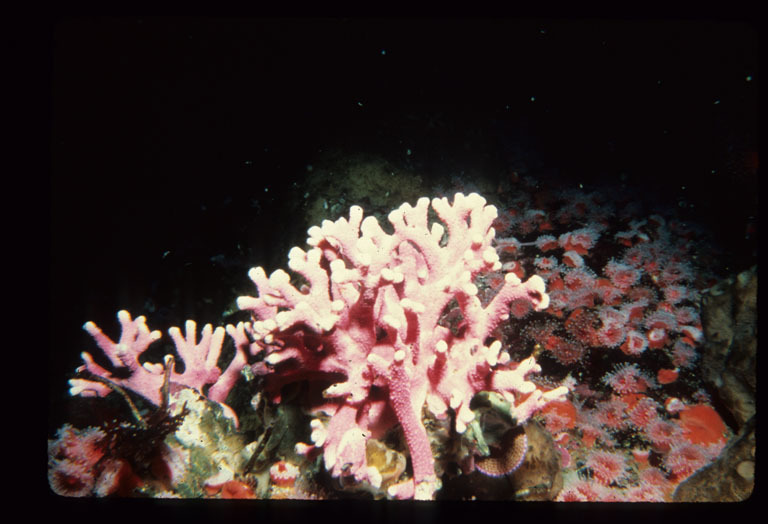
{"x":538,"y":478}
{"x":729,"y":320}
{"x":216,"y":451}
{"x":746,"y":470}
{"x":729,"y":479}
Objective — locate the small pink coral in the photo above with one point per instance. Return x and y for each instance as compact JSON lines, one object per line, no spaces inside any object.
{"x":199,"y":358}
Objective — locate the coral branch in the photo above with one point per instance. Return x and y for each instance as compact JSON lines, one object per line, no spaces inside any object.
{"x":200,"y":361}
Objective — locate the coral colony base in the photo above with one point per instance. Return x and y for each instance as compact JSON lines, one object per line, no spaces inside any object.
{"x":391,"y":363}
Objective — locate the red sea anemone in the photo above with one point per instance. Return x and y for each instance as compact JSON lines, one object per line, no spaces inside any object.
{"x":235,"y":489}
{"x":71,"y":479}
{"x":685,"y":458}
{"x":546,"y":243}
{"x":622,"y":276}
{"x":667,"y":376}
{"x":627,"y":378}
{"x":564,"y":350}
{"x":580,"y":240}
{"x":644,"y":412}
{"x":283,"y":473}
{"x":559,"y":415}
{"x":702,"y":425}
{"x":573,"y":259}
{"x":657,"y":338}
{"x":614,"y":329}
{"x":662,"y":434}
{"x":635,"y":343}
{"x":582,"y":491}
{"x":607,"y":467}
{"x":610,"y":414}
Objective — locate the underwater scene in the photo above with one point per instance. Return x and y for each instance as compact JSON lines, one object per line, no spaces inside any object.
{"x":432,"y":260}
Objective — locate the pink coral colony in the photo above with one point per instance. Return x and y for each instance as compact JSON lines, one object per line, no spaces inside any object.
{"x":395,"y":327}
